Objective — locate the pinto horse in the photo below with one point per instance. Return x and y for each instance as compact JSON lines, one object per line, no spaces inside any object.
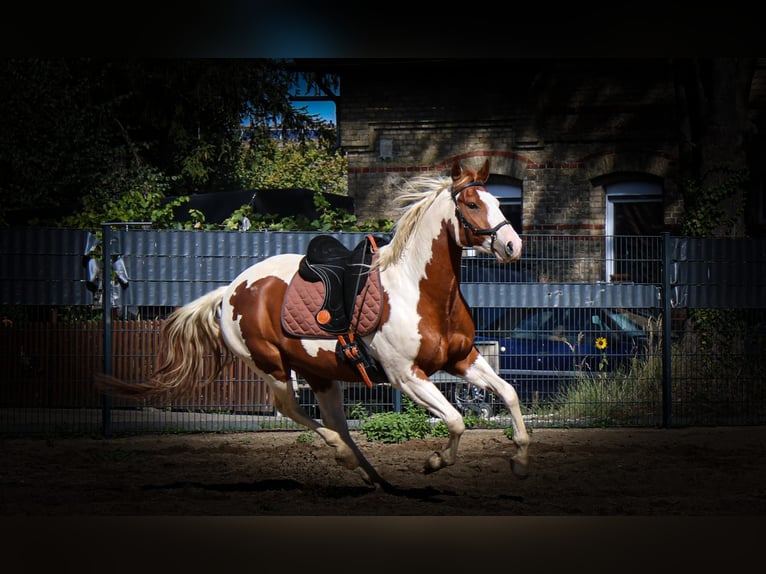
{"x":424,"y":323}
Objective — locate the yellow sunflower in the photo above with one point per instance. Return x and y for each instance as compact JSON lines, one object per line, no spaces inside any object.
{"x":601,"y":343}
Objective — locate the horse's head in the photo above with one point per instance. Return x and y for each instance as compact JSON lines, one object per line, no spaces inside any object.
{"x":483,"y":224}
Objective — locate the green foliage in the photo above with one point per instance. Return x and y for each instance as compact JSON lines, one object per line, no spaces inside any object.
{"x":312,"y":164}
{"x":358,"y":412}
{"x":716,"y":366}
{"x":475,"y":421}
{"x":705,"y":205}
{"x":607,"y":398}
{"x":179,"y":117}
{"x":55,"y":141}
{"x":138,"y":194}
{"x":123,"y":136}
{"x":728,"y":346}
{"x":412,"y":423}
{"x":391,"y":427}
{"x":440,"y":430}
{"x":306,"y":437}
{"x":197,"y":165}
{"x":133,"y":196}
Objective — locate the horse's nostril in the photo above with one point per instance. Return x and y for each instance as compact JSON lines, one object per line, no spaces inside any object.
{"x":509,"y":248}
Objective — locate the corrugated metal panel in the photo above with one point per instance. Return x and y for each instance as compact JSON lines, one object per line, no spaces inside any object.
{"x":171,"y":268}
{"x":42,"y":267}
{"x":560,"y":295}
{"x":718,"y":273}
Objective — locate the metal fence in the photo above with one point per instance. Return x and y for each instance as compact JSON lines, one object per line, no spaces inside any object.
{"x":591,"y":330}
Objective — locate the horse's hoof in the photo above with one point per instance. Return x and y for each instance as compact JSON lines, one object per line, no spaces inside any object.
{"x":520,"y":469}
{"x":364,"y":476}
{"x":433,"y":463}
{"x":385,"y":487}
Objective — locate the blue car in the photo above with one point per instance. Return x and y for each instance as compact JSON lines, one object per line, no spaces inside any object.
{"x":549,"y":347}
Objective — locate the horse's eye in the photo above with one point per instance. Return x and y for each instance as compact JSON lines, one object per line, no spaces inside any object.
{"x":472,"y":205}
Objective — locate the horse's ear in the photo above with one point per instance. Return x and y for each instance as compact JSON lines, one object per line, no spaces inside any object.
{"x":457,"y":171}
{"x":483,"y":172}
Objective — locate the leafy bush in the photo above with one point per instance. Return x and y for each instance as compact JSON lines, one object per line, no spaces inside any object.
{"x":135,"y":195}
{"x":311,"y":164}
{"x":306,"y":437}
{"x":391,"y":427}
{"x":412,"y":423}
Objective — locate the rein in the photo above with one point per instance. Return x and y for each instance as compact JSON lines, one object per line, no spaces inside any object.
{"x":467,"y":225}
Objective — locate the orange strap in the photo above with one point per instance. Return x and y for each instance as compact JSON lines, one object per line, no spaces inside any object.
{"x":352,"y":353}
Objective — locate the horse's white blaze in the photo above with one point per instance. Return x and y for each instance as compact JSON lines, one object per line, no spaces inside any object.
{"x":505,"y":235}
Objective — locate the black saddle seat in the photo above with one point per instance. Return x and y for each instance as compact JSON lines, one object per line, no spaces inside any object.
{"x":343,"y":272}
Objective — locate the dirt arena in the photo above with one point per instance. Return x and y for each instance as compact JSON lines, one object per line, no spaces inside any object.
{"x":574,"y":472}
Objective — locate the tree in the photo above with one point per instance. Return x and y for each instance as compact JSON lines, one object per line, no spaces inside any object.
{"x":715,"y":134}
{"x":67,"y":126}
{"x":310,"y":164}
{"x":53,"y":144}
{"x":715,"y":140}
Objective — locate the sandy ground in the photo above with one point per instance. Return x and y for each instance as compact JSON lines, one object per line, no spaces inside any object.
{"x":717,"y":471}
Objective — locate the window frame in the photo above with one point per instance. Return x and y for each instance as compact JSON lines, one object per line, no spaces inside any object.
{"x":628,"y":190}
{"x":509,"y":192}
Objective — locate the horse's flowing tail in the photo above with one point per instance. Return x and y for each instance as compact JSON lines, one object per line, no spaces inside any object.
{"x":189,"y":336}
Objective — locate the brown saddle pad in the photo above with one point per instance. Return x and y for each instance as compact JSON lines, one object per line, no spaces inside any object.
{"x":303,"y":301}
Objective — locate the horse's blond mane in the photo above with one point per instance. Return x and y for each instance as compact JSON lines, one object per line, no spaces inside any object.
{"x":414,"y":197}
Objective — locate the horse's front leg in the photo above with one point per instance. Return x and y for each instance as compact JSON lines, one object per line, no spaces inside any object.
{"x":480,"y":374}
{"x":422,"y":391}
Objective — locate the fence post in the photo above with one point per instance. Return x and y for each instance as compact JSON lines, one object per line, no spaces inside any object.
{"x":106,"y":410}
{"x":667,"y":372}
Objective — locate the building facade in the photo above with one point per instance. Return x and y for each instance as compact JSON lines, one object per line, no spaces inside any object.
{"x":564,"y":130}
{"x":558,"y":131}
{"x":576,"y":147}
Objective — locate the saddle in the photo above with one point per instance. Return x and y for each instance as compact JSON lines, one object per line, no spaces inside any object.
{"x":336,"y":294}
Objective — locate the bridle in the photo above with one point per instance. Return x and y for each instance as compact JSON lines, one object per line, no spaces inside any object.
{"x":470,"y":227}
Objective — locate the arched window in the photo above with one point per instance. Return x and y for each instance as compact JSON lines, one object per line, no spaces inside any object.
{"x":634,"y":220}
{"x":508,"y":190}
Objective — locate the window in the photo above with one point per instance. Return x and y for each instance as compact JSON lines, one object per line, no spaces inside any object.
{"x":508,"y":190}
{"x":634,"y":220}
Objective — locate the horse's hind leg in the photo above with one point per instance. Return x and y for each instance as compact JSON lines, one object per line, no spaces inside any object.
{"x":336,"y":433}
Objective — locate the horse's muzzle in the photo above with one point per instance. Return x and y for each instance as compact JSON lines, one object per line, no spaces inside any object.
{"x":512,"y":251}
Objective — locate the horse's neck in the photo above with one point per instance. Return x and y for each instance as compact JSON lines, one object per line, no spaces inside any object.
{"x":442,"y":282}
{"x":431,"y":260}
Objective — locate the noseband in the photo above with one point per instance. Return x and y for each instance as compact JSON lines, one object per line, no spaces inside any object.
{"x":467,"y":225}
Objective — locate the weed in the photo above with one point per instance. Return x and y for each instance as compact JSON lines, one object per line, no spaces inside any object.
{"x":306,"y":437}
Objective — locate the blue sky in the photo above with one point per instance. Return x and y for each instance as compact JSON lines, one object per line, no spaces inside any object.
{"x":325,"y":110}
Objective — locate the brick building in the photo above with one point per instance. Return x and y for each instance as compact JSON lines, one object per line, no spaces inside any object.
{"x":578,"y":147}
{"x":564,"y":131}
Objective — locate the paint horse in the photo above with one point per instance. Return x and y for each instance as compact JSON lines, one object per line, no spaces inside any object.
{"x":423,"y":323}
